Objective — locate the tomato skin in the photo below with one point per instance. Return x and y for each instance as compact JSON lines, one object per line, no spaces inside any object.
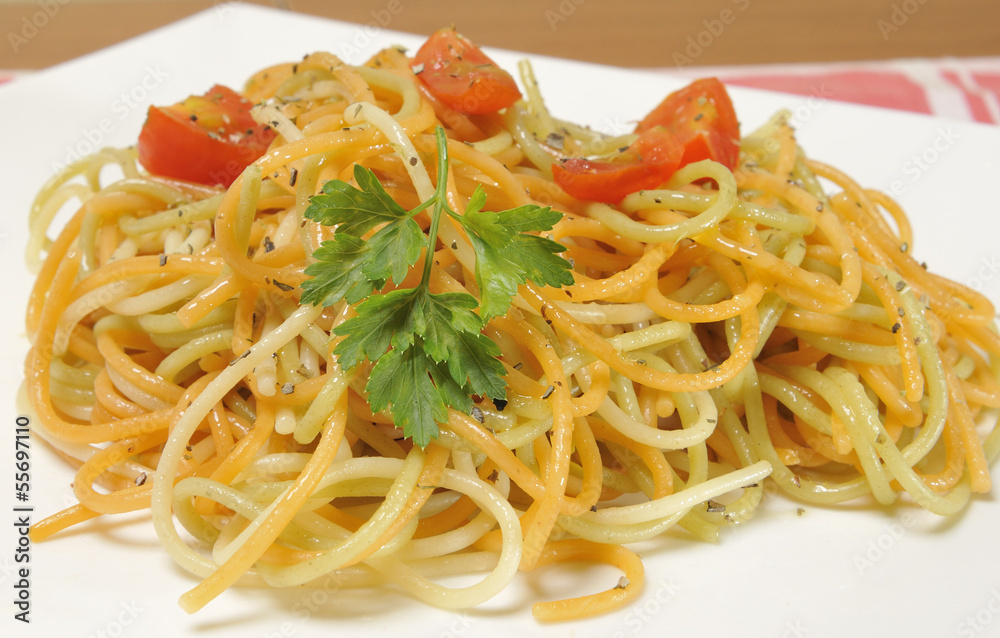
{"x":461,"y":76}
{"x":702,"y":117}
{"x":208,"y":139}
{"x":647,"y":163}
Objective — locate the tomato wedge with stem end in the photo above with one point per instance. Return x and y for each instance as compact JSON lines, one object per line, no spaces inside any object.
{"x":461,"y":76}
{"x":647,"y":163}
{"x":702,"y":117}
{"x":208,"y":139}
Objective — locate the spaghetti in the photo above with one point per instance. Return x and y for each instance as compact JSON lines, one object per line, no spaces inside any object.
{"x":727,"y":326}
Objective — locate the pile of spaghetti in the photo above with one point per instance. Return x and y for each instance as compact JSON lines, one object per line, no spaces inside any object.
{"x":729,"y":323}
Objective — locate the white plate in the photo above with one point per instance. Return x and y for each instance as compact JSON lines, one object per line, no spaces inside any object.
{"x":827,"y":572}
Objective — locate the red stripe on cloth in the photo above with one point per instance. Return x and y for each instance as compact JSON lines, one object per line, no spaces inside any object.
{"x":989,"y":82}
{"x":873,"y":88}
{"x":977,"y":105}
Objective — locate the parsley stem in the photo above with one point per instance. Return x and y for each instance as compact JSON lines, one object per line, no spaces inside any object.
{"x":440,"y":201}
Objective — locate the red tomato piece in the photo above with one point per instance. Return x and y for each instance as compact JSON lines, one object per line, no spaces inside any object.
{"x":461,"y":76}
{"x":702,"y":117}
{"x":647,"y":163}
{"x":208,"y":139}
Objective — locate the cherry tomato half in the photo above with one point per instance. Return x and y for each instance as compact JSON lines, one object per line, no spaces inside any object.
{"x":459,"y":74}
{"x":208,"y":139}
{"x":702,"y":117}
{"x":647,"y":163}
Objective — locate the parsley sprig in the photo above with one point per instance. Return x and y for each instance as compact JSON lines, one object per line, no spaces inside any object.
{"x":428,"y":349}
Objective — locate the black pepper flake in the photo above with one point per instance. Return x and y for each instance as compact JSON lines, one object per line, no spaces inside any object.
{"x":698,"y":117}
{"x":282,"y":286}
{"x":494,"y":475}
{"x":712,"y":506}
{"x":194,"y":118}
{"x":188,"y":448}
{"x":245,"y":354}
{"x":548,"y":391}
{"x":896,"y":327}
{"x":163,"y":260}
{"x":293,"y":176}
{"x":244,"y":392}
{"x":141,"y":479}
{"x":477,"y":414}
{"x":288,"y":388}
{"x":268,"y":245}
{"x":900,"y":312}
{"x":413,"y":161}
{"x":500,"y":404}
{"x":900,"y":285}
{"x":518,"y":365}
{"x":593,"y":508}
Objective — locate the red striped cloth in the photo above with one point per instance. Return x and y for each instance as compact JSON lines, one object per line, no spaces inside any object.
{"x":963,"y":89}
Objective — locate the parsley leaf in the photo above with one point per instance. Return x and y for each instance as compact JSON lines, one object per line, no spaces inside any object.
{"x":337,"y":273}
{"x":428,"y":349}
{"x":506,"y":256}
{"x":353,"y":210}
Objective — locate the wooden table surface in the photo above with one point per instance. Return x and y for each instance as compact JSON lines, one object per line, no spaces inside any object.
{"x":638,"y":33}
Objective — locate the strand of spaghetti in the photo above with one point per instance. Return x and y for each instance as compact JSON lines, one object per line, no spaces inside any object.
{"x":628,"y":588}
{"x":975,"y":458}
{"x":191,"y":418}
{"x":625,"y":284}
{"x":681,"y":500}
{"x":681,"y":382}
{"x":407,"y":473}
{"x":652,"y":457}
{"x":57,"y":254}
{"x":977,"y":308}
{"x":652,"y":204}
{"x":506,"y":567}
{"x":804,"y":487}
{"x":725,"y":201}
{"x":895,"y":461}
{"x":841,"y":295}
{"x":547,"y":509}
{"x":434,"y":463}
{"x":127,"y":500}
{"x":64,"y":519}
{"x":253,"y":541}
{"x":40,"y":361}
{"x":470,"y":430}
